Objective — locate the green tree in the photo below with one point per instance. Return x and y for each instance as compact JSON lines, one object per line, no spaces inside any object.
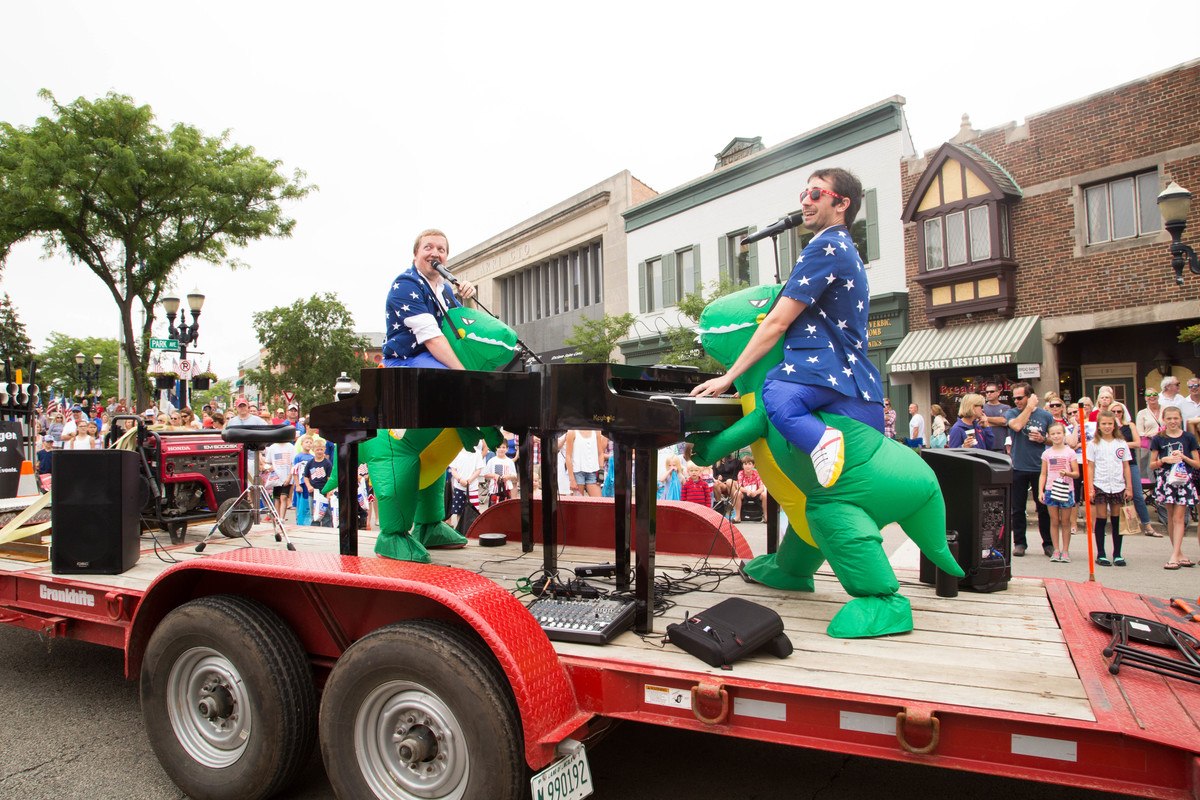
{"x":596,"y":338}
{"x":308,"y":344}
{"x":102,"y":183}
{"x":682,"y":347}
{"x":57,"y":368}
{"x":14,"y":342}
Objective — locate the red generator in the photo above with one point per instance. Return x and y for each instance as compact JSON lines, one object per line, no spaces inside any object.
{"x":191,"y":475}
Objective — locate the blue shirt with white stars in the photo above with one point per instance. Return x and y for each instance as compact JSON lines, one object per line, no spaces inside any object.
{"x":409,"y":296}
{"x":827,"y":344}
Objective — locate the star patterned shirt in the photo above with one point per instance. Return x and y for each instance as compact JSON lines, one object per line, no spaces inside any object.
{"x":414,"y":314}
{"x":827,"y":344}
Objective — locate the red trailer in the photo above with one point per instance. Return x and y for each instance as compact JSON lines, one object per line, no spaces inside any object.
{"x":436,"y":681}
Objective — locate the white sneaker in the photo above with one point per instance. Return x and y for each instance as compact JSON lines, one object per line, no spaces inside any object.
{"x":828,"y":457}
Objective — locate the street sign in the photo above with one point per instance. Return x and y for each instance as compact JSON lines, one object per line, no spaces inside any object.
{"x":185,"y":368}
{"x":164,"y":344}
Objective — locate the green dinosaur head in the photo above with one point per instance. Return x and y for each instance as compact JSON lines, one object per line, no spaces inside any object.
{"x":479,"y":340}
{"x":726,"y":325}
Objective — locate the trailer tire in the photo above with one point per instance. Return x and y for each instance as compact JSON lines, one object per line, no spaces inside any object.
{"x":420,"y":709}
{"x":239,"y":521}
{"x":228,"y":699}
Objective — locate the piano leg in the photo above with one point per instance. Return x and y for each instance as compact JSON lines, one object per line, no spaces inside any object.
{"x":622,"y":463}
{"x":347,"y":456}
{"x":645,"y":488}
{"x":771,"y":514}
{"x":549,"y":501}
{"x":525,"y":471}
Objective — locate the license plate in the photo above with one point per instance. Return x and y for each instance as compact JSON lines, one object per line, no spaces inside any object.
{"x":567,"y":779}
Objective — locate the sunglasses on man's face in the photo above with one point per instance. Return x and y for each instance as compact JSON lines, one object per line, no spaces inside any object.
{"x":814,"y":194}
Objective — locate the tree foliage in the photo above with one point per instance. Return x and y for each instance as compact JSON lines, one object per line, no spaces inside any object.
{"x":596,"y":338}
{"x":219,"y":393}
{"x":14,"y":341}
{"x":682,"y":347}
{"x":102,"y":183}
{"x":57,"y":369}
{"x":308,"y":344}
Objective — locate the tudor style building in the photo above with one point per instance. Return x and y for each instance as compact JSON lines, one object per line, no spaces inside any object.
{"x":1037,"y":250}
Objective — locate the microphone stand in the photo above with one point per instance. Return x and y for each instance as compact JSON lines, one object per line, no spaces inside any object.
{"x":448,"y":275}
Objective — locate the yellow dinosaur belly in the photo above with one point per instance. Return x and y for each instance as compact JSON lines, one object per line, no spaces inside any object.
{"x":786,"y":493}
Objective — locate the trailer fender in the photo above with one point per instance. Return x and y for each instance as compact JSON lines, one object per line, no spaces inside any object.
{"x":360,"y":595}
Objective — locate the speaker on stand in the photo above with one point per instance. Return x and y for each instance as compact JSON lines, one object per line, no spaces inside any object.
{"x":95,"y":514}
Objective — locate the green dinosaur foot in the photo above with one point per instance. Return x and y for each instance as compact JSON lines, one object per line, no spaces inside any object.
{"x":401,"y":547}
{"x":767,"y":570}
{"x":439,"y":534}
{"x":864,"y":617}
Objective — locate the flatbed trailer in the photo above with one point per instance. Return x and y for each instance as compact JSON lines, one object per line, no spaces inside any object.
{"x":1011,"y":683}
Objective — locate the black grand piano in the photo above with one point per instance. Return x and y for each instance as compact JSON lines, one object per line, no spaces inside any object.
{"x":640,"y":408}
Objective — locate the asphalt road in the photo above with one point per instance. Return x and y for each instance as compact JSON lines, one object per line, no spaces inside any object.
{"x":72,"y":729}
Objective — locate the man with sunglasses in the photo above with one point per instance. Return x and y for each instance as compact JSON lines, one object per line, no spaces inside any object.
{"x":1028,"y":426}
{"x":821,"y":314}
{"x":1189,"y":406}
{"x":995,"y":415}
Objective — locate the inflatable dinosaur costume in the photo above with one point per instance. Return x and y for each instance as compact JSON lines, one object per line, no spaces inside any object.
{"x":882,"y":481}
{"x":408,"y":467}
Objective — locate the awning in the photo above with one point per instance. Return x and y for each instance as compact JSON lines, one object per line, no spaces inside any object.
{"x":984,"y":344}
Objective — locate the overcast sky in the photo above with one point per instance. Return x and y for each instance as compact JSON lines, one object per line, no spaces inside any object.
{"x":474,"y":116}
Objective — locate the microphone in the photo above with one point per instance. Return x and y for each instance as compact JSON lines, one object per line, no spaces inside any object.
{"x":785,"y":224}
{"x":445,"y":273}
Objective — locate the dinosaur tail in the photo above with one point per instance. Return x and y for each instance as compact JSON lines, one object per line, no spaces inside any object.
{"x":927,"y":528}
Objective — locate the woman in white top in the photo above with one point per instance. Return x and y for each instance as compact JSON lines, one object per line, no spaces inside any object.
{"x":582,"y":450}
{"x":85,"y":438}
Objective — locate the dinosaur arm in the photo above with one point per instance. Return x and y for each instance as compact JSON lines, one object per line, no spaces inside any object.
{"x":711,"y":446}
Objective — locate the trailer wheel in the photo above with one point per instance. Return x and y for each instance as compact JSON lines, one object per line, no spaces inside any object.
{"x":420,"y":710}
{"x":228,"y":699}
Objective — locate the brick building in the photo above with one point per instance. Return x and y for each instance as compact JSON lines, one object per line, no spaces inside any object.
{"x":1037,"y":250}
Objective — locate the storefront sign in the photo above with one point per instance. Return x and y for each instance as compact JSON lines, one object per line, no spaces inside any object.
{"x":881,"y":328}
{"x":1029,"y":370}
{"x":953,"y":363}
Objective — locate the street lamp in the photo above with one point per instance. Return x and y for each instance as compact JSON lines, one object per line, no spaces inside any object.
{"x":1174,"y":203}
{"x":90,"y":377}
{"x":185,"y":334}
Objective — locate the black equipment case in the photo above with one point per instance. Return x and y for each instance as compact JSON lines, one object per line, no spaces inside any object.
{"x":730,"y":630}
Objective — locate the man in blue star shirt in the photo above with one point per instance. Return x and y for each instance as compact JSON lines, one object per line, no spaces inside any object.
{"x":416,"y":304}
{"x":822,"y":316}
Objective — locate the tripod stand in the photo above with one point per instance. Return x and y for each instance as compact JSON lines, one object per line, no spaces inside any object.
{"x":235,"y":518}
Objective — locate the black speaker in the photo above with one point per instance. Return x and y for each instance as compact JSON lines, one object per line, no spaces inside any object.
{"x":95,"y":513}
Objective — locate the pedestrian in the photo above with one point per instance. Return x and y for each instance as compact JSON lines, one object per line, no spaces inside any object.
{"x":316,"y":476}
{"x":1057,"y":488}
{"x":889,"y":419}
{"x":670,"y":482}
{"x":916,"y":427}
{"x":968,"y":430}
{"x":1169,"y":394}
{"x":302,"y":494}
{"x":1027,"y":426}
{"x":751,"y":485}
{"x":1175,"y":453}
{"x":995,"y":413}
{"x":583,"y":449}
{"x":1111,"y":484}
{"x":939,"y":426}
{"x":1138,"y":514}
{"x":280,"y":456}
{"x":695,"y":490}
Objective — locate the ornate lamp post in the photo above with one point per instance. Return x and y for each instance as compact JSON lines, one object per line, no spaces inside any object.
{"x":184,"y":333}
{"x":90,"y":377}
{"x":1174,"y":203}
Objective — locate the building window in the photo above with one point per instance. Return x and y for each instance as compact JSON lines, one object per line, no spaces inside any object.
{"x":558,"y":285}
{"x":737,"y":256}
{"x":963,"y":237}
{"x":685,"y":271}
{"x":1122,"y":208}
{"x":933,"y":244}
{"x":981,"y":239}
